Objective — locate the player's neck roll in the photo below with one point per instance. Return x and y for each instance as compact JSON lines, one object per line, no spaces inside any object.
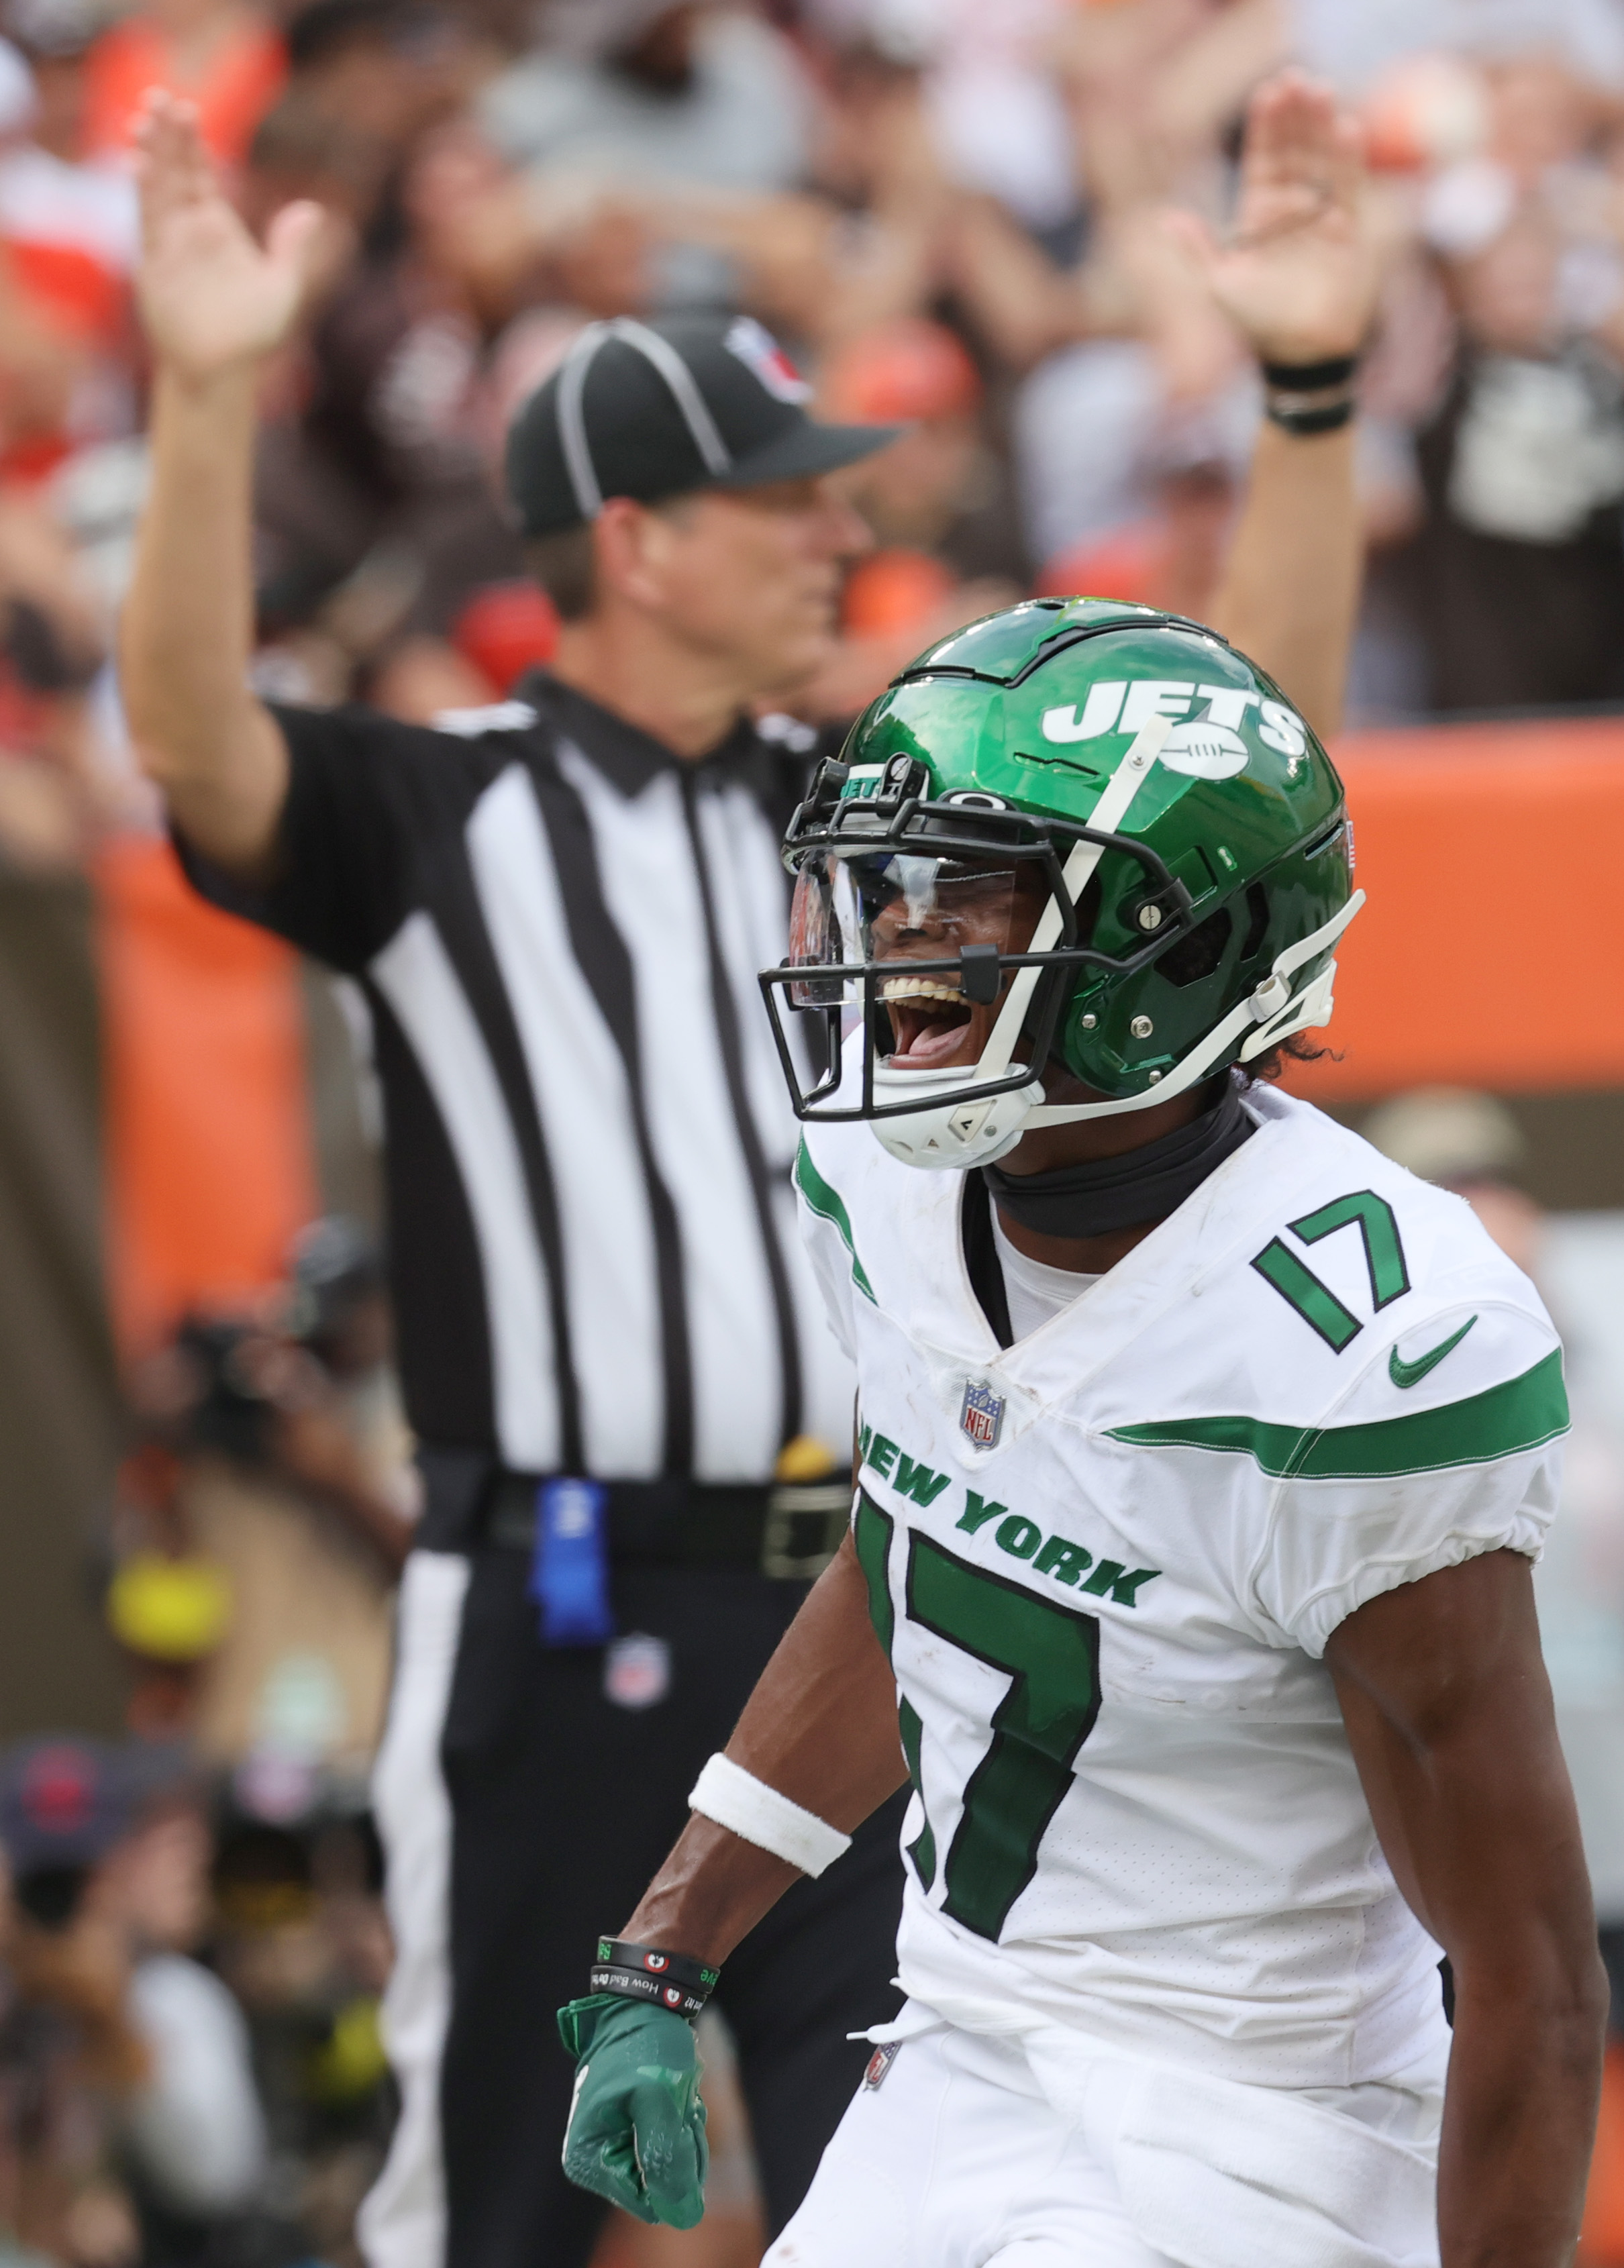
{"x":1112,"y":1193}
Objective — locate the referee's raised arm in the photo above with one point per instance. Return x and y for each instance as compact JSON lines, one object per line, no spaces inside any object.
{"x":215,"y":305}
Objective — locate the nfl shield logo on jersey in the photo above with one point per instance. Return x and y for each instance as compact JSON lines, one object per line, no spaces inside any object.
{"x":982,"y":1417}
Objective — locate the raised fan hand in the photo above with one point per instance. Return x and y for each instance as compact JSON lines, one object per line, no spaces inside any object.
{"x":211,"y":299}
{"x":1299,"y":271}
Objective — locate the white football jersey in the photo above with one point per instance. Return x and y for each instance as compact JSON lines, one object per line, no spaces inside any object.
{"x":1106,"y":1560}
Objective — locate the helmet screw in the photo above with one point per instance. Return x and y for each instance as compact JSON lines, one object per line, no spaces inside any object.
{"x":1088,"y":1022}
{"x":1150,"y":917}
{"x":1156,"y":1077}
{"x":1141,"y":1027}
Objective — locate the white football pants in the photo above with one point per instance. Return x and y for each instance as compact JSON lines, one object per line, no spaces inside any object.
{"x":955,"y":2161}
{"x":958,"y":2159}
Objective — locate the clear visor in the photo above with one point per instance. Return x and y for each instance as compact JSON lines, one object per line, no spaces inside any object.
{"x":895,"y":907}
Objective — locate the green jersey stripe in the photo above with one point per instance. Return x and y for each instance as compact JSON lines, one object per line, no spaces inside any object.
{"x":922,"y":1850}
{"x":830,"y":1204}
{"x":875,"y":1530}
{"x":1521,"y":1414}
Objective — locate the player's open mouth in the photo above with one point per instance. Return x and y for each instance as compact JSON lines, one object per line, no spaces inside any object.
{"x":930,"y":1022}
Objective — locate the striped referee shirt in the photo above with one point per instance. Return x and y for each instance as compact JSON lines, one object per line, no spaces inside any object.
{"x":556,"y":924}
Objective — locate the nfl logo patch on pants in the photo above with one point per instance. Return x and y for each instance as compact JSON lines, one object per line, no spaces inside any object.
{"x":878,"y":2063}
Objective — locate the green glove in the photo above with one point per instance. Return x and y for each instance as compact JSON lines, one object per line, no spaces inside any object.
{"x":637,"y":2125}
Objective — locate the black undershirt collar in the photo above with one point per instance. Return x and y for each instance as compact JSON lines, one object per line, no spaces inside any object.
{"x":1144,"y":1185}
{"x":1115,"y":1193}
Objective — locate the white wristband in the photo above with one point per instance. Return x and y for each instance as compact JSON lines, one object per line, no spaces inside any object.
{"x":736,"y":1799}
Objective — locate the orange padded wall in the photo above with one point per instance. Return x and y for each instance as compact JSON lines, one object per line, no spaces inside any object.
{"x":1491,"y":953}
{"x":210,"y":1167}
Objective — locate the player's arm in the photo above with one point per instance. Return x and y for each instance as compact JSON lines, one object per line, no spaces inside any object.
{"x":1298,"y":276}
{"x":821,"y":1729}
{"x":214,"y":306}
{"x":1448,"y":1713}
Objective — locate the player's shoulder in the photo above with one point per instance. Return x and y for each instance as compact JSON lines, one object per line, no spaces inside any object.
{"x":1418,"y":1243}
{"x":837,"y":1165}
{"x":890,"y":1217}
{"x":1340,"y":1324}
{"x":1386,"y":1296}
{"x":850,"y":1157}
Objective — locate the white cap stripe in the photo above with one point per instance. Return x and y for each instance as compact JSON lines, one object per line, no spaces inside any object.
{"x":573,"y":423}
{"x":676,"y":375}
{"x":679,"y":381}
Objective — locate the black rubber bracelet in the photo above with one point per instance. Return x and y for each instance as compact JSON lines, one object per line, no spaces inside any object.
{"x":674,"y":1968}
{"x":1309,"y":376}
{"x":1305,"y":421}
{"x":644,"y":1972}
{"x":638,"y":1984}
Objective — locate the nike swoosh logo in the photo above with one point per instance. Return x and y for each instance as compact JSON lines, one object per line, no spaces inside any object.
{"x":1411,"y":1374}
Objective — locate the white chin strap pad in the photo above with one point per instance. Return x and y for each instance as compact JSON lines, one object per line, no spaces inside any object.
{"x":949,"y":1135}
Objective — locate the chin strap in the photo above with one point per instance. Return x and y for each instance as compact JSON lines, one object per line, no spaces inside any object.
{"x":1272,"y":1011}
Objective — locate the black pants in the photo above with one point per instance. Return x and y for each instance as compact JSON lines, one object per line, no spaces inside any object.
{"x":562,"y":1805}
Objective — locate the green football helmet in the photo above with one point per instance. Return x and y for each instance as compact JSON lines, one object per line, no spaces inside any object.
{"x":1092,"y":832}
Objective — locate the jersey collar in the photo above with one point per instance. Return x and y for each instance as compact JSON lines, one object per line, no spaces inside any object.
{"x":1168,"y":1265}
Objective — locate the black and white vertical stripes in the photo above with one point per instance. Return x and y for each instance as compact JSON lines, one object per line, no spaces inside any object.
{"x":559,"y":927}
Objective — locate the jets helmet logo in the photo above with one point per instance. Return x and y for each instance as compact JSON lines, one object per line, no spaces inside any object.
{"x":1205,"y":750}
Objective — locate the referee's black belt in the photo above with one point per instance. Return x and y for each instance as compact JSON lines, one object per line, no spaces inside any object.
{"x":788,"y":1530}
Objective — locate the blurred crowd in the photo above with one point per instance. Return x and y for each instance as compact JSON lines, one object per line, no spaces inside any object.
{"x":193,"y":1941}
{"x":950,"y":214}
{"x":953,"y":215}
{"x":190,"y":2074}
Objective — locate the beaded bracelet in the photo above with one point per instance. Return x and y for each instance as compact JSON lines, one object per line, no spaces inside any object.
{"x":643,"y":1972}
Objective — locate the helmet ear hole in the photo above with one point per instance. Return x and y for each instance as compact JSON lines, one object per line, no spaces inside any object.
{"x":1199,"y":953}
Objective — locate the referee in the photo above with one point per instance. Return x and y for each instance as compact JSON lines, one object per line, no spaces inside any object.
{"x":634,"y":1424}
{"x":631,"y":1414}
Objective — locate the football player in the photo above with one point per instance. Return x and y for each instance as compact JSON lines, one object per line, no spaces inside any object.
{"x":1203,"y":1456}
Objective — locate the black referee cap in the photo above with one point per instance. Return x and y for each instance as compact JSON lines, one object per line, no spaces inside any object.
{"x":653,"y":410}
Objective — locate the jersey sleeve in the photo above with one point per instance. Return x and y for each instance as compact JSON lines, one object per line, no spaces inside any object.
{"x":368,"y":799}
{"x":1446,"y":1445}
{"x":826,"y":1232}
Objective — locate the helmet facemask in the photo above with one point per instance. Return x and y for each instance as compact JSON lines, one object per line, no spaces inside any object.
{"x":948,"y":930}
{"x":1173,"y":882}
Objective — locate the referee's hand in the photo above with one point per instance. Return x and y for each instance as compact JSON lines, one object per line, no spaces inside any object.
{"x":212,"y":299}
{"x":636,"y":2134}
